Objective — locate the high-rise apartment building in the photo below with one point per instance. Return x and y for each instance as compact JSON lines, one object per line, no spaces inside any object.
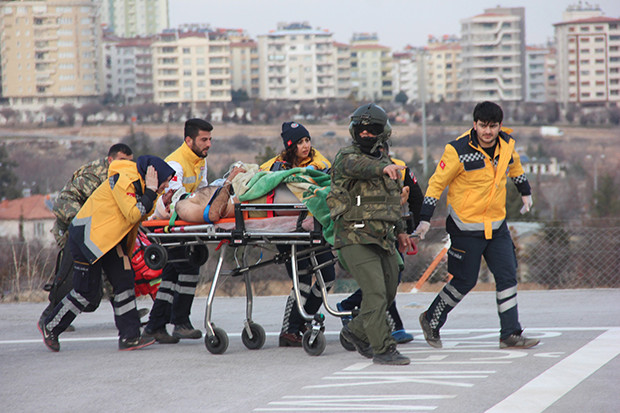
{"x":297,"y":62}
{"x":49,"y":52}
{"x":493,"y":55}
{"x":405,"y":73}
{"x":128,"y":69}
{"x":551,"y":77}
{"x":343,"y":70}
{"x":535,"y":75}
{"x":191,"y":67}
{"x":131,"y":18}
{"x":371,"y":68}
{"x":244,"y":64}
{"x":443,"y":68}
{"x":588,"y":56}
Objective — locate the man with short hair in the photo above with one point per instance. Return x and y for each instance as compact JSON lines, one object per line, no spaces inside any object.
{"x":72,"y":196}
{"x":475,"y":168}
{"x":179,"y":279}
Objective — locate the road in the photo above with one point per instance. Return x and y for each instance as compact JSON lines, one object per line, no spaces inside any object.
{"x":575,"y":368}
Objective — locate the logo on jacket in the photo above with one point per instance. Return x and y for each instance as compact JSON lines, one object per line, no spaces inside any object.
{"x":131,"y":194}
{"x":442,"y":164}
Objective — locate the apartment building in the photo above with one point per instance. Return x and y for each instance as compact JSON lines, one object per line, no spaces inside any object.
{"x":244,"y":63}
{"x":588,"y":56}
{"x":493,"y":55}
{"x":128,"y":69}
{"x":132,"y":18}
{"x":442,"y":73}
{"x":191,"y":67}
{"x":49,"y":52}
{"x":343,"y":70}
{"x":405,"y":73}
{"x":297,"y":62}
{"x":371,"y":68}
{"x":551,"y":68}
{"x":535,"y":75}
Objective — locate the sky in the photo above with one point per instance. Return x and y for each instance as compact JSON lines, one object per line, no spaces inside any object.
{"x":397,"y":22}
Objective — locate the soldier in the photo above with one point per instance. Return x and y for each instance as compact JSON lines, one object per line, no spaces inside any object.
{"x":70,"y":199}
{"x":364,"y":204}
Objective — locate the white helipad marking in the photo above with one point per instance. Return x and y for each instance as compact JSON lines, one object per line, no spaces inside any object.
{"x":355,"y":403}
{"x":554,"y":383}
{"x":439,"y":378}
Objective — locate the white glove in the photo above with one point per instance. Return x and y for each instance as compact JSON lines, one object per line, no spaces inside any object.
{"x":527,"y":204}
{"x":422,"y":229}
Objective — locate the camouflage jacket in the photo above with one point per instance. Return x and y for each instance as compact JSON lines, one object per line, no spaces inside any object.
{"x":364,"y":202}
{"x":74,"y":194}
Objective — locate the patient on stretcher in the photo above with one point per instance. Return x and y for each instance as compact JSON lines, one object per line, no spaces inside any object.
{"x":212,"y":203}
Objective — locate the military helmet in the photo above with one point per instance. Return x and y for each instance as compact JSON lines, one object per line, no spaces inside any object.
{"x":375,"y":118}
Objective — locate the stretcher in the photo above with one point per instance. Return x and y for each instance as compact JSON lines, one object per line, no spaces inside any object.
{"x":294,"y":230}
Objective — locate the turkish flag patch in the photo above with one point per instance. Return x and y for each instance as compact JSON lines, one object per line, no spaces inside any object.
{"x":412,"y":176}
{"x":174,"y":178}
{"x":442,"y":164}
{"x":131,"y":194}
{"x":289,"y":143}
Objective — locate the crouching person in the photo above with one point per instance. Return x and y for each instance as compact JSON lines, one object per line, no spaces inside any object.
{"x":100,"y":237}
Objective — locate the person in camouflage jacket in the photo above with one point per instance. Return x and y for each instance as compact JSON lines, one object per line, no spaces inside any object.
{"x":364,"y":204}
{"x":72,"y":196}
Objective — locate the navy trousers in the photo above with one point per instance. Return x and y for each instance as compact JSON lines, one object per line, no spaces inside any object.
{"x":464,"y":258}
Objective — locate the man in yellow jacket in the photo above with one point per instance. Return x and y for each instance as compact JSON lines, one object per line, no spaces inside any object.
{"x":100,"y":237}
{"x":179,"y":278}
{"x":475,"y":168}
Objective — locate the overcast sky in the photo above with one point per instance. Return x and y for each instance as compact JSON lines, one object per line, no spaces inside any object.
{"x":397,"y":22}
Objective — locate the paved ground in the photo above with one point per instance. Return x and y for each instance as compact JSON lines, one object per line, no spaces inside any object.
{"x":575,"y":368}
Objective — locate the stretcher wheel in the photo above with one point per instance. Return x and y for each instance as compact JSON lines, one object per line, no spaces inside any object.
{"x":346,"y":344}
{"x":218,"y":342}
{"x":258,"y":337}
{"x":155,"y":256}
{"x":317,"y":347}
{"x":196,"y":254}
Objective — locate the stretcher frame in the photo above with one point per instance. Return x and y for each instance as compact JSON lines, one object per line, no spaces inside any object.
{"x":194,"y":236}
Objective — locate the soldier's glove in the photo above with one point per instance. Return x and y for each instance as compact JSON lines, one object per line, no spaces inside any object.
{"x":422,"y":229}
{"x":527,"y":204}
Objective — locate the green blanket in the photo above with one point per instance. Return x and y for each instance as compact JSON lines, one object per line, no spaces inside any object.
{"x":310,"y":186}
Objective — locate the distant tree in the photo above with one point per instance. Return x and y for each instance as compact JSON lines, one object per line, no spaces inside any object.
{"x":8,"y":179}
{"x":69,"y":113}
{"x":401,"y":98}
{"x":89,"y":109}
{"x":139,"y":142}
{"x":9,"y":114}
{"x":614,"y":116}
{"x":606,"y":198}
{"x":238,"y":96}
{"x":265,"y":155}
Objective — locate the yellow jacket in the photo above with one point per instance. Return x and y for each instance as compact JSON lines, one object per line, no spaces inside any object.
{"x":111,"y":212}
{"x":190,"y":169}
{"x":476,"y":183}
{"x":318,"y":162}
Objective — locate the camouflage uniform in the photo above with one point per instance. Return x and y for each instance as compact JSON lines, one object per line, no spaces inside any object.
{"x":74,"y":194}
{"x":70,"y":200}
{"x":365,"y":206}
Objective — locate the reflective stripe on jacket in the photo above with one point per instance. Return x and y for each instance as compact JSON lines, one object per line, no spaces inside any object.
{"x":190,"y":169}
{"x":111,"y":212}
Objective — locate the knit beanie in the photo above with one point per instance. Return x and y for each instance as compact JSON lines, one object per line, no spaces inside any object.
{"x":292,"y":132}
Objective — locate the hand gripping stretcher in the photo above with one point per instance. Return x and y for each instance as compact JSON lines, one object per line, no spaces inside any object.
{"x":302,"y":234}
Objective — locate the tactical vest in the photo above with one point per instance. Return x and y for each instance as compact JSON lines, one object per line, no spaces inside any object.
{"x":366,"y":200}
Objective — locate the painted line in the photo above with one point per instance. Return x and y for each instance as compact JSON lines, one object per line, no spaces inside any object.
{"x":354,"y":403}
{"x":550,"y":386}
